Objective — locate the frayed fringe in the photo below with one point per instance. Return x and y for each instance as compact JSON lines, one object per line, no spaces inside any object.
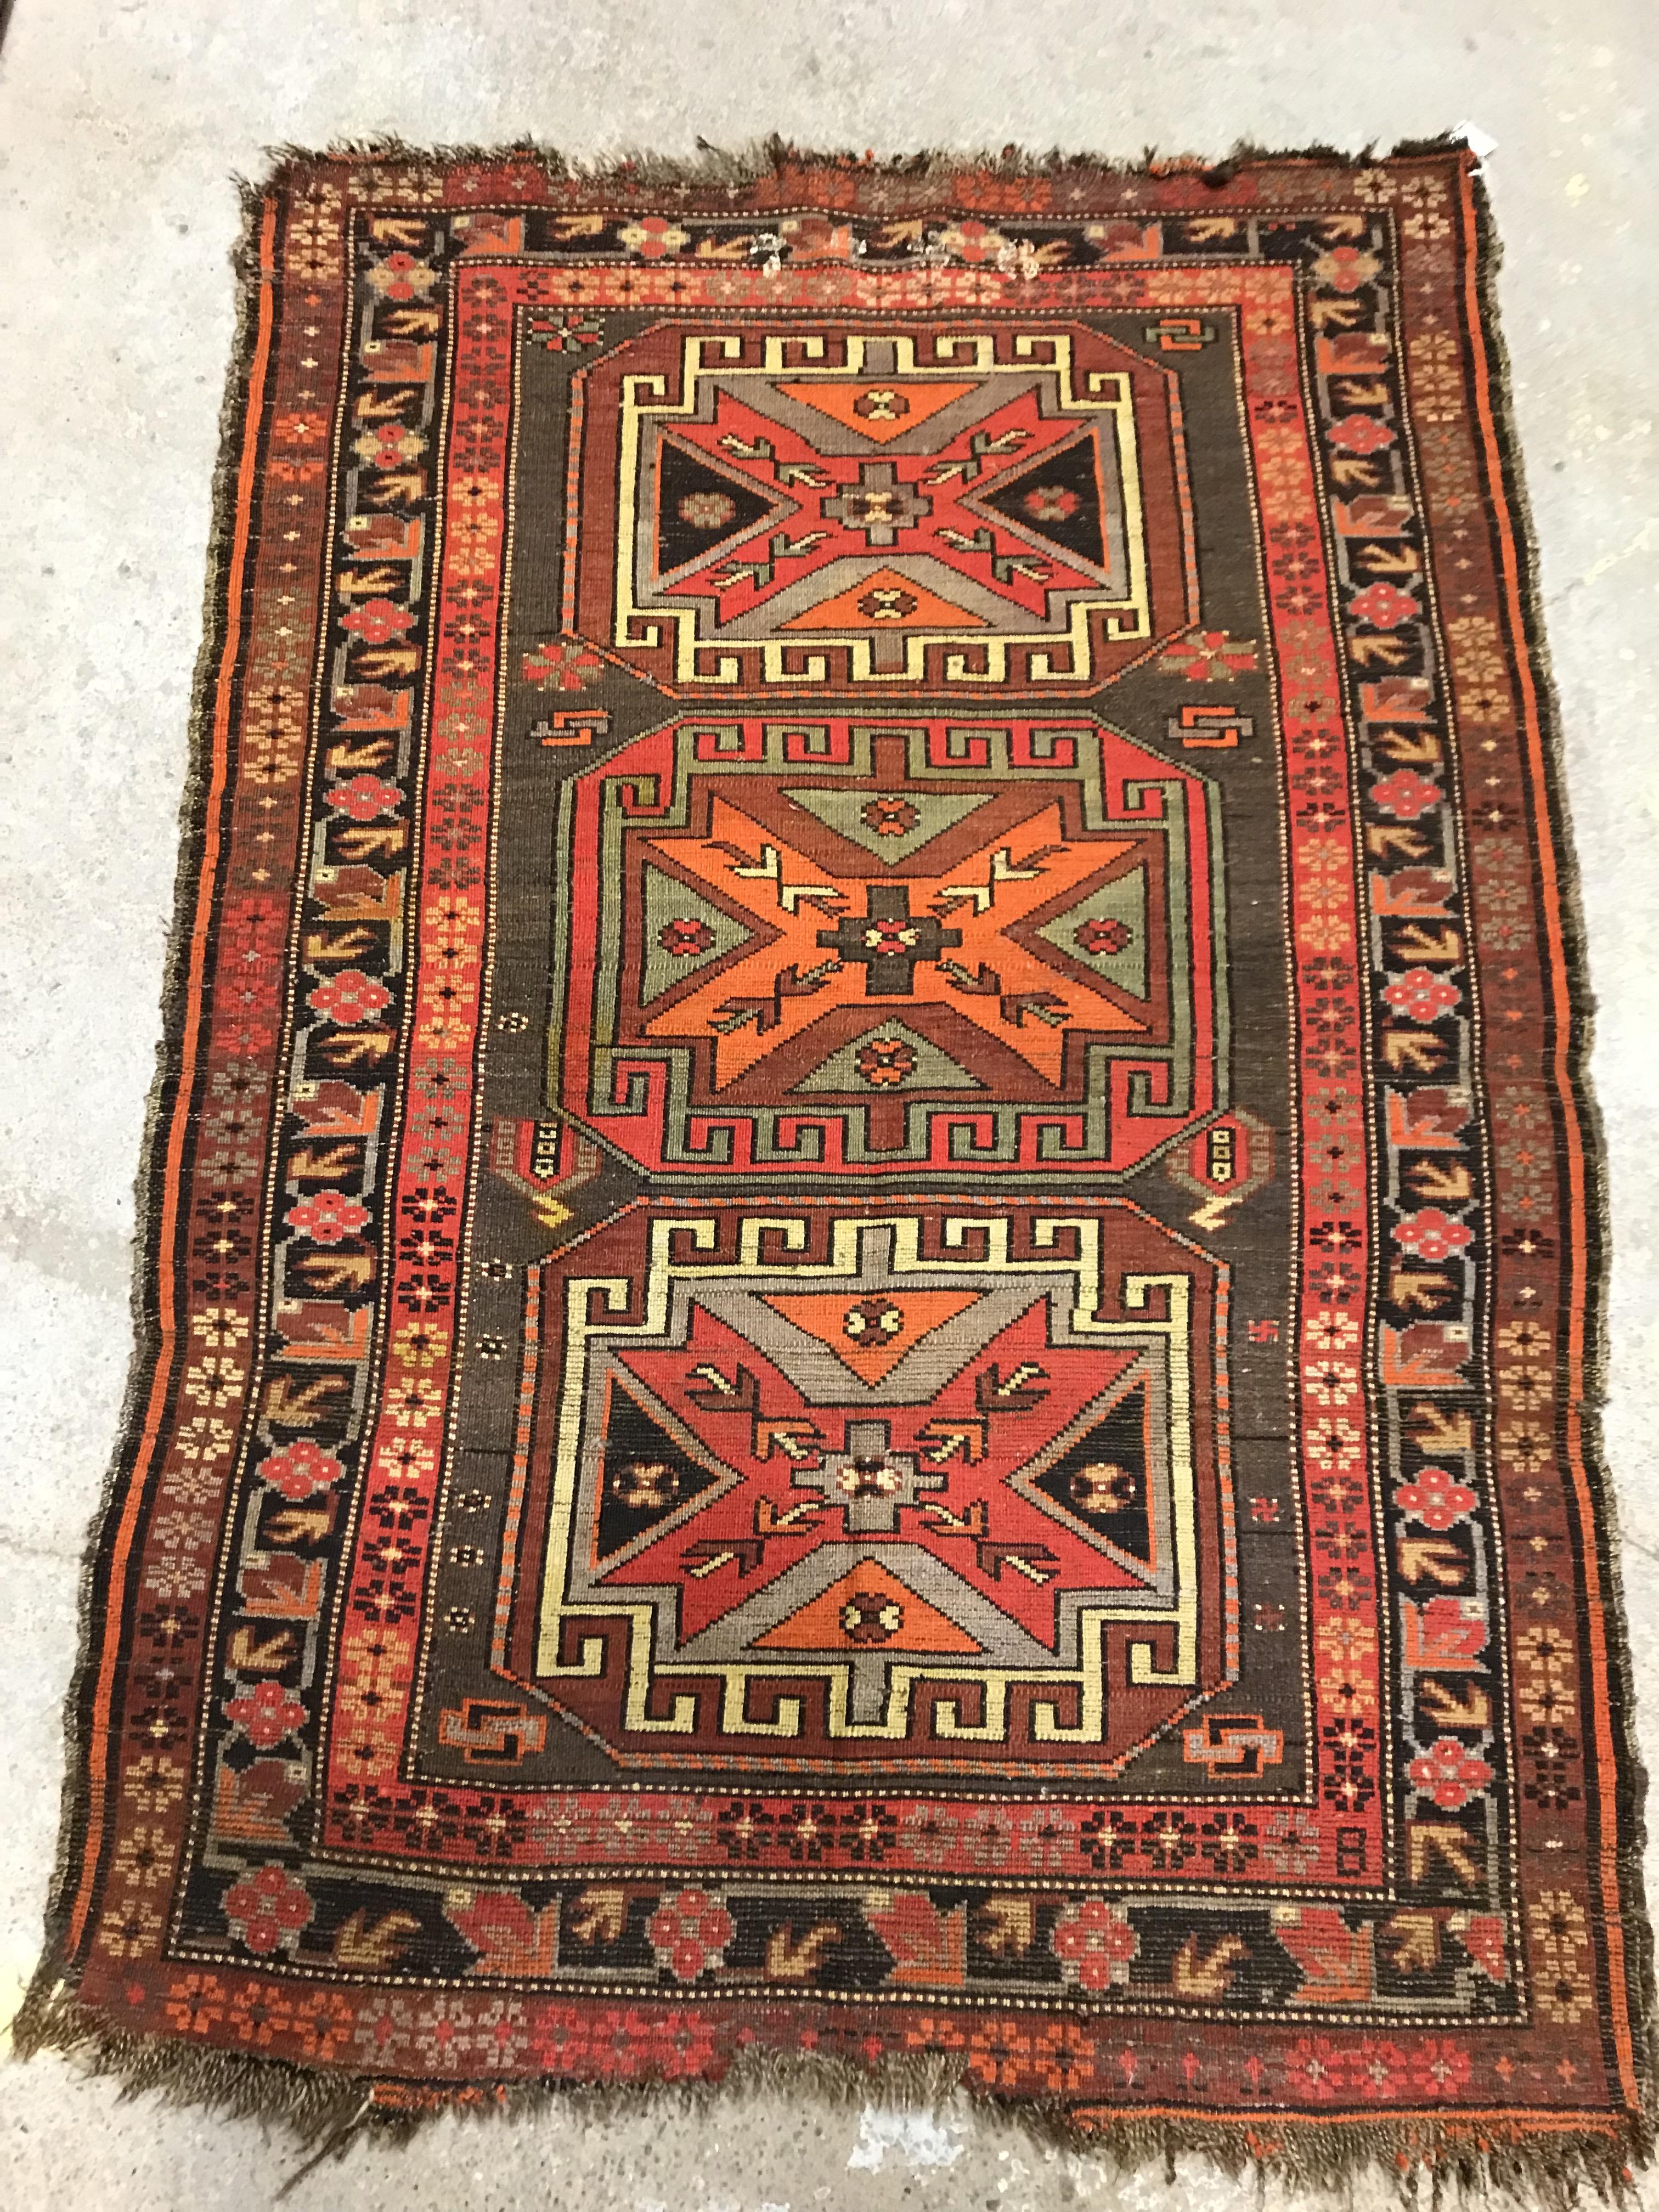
{"x":715,"y":171}
{"x":329,"y":2113}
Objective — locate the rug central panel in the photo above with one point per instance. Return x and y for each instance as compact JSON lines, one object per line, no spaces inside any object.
{"x":868,"y":980}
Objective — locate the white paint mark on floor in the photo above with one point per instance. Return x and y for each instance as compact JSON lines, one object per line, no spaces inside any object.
{"x":917,"y":2140}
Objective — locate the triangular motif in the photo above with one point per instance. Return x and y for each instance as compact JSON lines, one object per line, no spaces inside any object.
{"x":882,"y":409}
{"x":682,"y":932}
{"x":1102,"y":1481}
{"x":1107,"y":931}
{"x":885,"y":599}
{"x":644,"y":1475}
{"x":887,"y":1062}
{"x":700,"y":508}
{"x":867,"y":1610}
{"x":1058,"y":498}
{"x":891,"y":824}
{"x":871,"y":1331}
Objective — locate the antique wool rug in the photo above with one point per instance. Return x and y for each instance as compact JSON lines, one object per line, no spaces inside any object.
{"x":872,"y":1243}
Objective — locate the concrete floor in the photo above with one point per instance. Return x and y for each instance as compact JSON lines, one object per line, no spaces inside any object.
{"x":121,"y":122}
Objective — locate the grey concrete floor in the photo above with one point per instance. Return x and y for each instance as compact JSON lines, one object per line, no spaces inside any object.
{"x":121,"y":122}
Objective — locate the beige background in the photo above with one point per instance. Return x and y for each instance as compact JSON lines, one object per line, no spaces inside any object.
{"x":121,"y":122}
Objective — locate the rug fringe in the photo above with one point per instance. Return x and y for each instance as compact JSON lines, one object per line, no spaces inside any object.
{"x":714,"y":169}
{"x":328,"y":2113}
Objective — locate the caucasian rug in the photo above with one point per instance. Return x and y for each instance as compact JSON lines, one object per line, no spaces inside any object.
{"x":871,"y":1245}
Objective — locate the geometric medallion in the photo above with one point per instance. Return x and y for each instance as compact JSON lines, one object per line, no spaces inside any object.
{"x":846,"y":948}
{"x":878,"y":1484}
{"x":882,"y":507}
